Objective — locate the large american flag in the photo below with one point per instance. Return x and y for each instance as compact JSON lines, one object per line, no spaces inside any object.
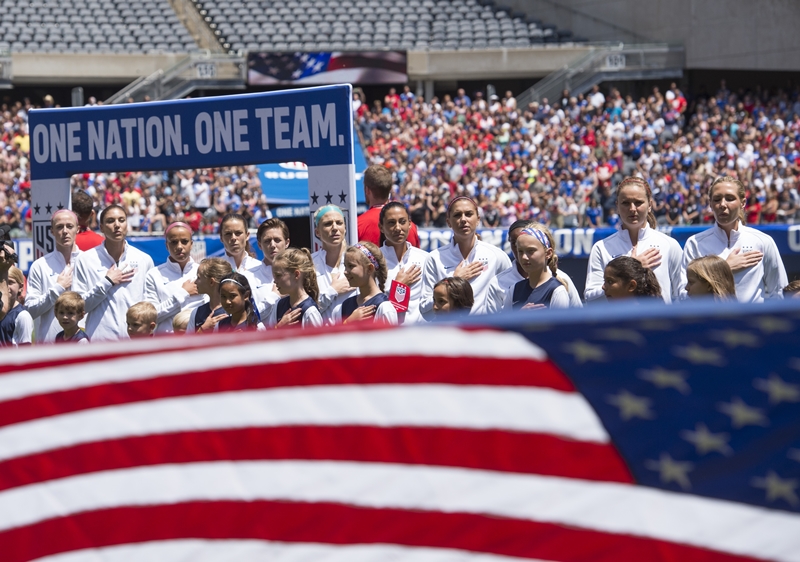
{"x":366,"y":67}
{"x":610,"y":434}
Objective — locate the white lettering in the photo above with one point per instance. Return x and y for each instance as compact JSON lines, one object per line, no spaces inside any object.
{"x":202,"y":122}
{"x":300,"y":134}
{"x":263,"y":114}
{"x":563,"y":240}
{"x":582,"y":241}
{"x":281,"y":128}
{"x":240,"y":130}
{"x":324,"y":126}
{"x":96,"y":140}
{"x":73,"y":142}
{"x":493,"y":237}
{"x":223,"y":132}
{"x":172,"y":132}
{"x":155,"y":137}
{"x":128,"y":125}
{"x":41,"y":144}
{"x":140,"y":130}
{"x":114,"y":146}
{"x":794,"y":238}
{"x":439,"y":238}
{"x":58,"y":142}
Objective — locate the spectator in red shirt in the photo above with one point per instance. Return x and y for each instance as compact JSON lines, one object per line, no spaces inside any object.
{"x":83,"y":207}
{"x":377,"y":189}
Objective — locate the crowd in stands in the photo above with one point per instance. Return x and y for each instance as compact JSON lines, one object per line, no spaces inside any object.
{"x":555,"y":162}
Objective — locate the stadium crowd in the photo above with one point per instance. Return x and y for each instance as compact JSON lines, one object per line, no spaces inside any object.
{"x":555,"y":162}
{"x":96,"y":287}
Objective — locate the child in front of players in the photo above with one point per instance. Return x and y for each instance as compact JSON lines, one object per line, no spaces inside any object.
{"x":452,"y":294}
{"x":542,"y":289}
{"x":236,"y":299}
{"x":69,"y":311}
{"x":365,"y":269}
{"x":294,"y":276}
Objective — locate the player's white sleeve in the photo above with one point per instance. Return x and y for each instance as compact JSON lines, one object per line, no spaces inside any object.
{"x":494,"y":297}
{"x":560,"y":298}
{"x":775,"y":278}
{"x":312,"y":318}
{"x":677,"y":277}
{"x":508,"y":300}
{"x":93,"y":293}
{"x":39,"y":297}
{"x":594,"y":275}
{"x":23,"y":329}
{"x":386,"y":314}
{"x":166,"y":308}
{"x":432,"y":273}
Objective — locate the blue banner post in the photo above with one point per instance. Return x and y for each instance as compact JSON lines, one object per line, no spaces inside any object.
{"x":313,"y":125}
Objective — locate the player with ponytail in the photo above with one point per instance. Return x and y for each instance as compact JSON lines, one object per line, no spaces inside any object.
{"x":752,"y":255}
{"x":638,"y":239}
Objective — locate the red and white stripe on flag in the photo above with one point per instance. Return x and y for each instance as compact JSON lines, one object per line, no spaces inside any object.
{"x":420,"y":444}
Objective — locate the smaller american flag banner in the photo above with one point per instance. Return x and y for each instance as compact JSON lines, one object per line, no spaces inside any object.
{"x":613,"y":433}
{"x":359,"y":68}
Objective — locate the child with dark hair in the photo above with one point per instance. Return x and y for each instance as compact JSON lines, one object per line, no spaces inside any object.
{"x":236,"y":298}
{"x":452,"y":294}
{"x":792,"y":290}
{"x":626,"y":277}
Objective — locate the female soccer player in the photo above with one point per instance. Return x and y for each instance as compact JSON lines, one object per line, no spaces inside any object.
{"x":638,"y":239}
{"x":273,"y":238}
{"x":329,"y":261}
{"x":171,"y":286}
{"x":626,"y":277}
{"x":710,"y":276}
{"x":541,"y":289}
{"x":51,"y":275}
{"x":752,"y":255}
{"x":235,"y":238}
{"x":295,"y":277}
{"x":110,"y":278}
{"x":404,"y":262}
{"x":365,"y":269}
{"x":465,"y":256}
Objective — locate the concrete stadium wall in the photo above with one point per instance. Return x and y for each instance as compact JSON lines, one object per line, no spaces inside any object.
{"x":491,"y":63}
{"x":727,"y":34}
{"x":86,"y":69}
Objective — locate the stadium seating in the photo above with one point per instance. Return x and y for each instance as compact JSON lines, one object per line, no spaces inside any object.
{"x":319,"y":25}
{"x":101,"y":26}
